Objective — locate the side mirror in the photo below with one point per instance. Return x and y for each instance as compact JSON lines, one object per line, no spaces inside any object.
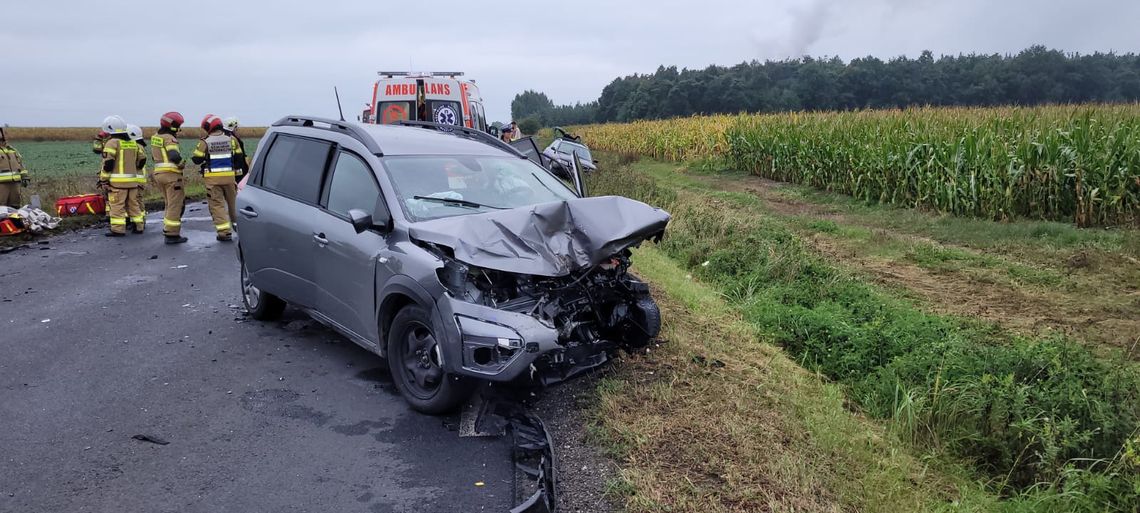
{"x":360,"y":219}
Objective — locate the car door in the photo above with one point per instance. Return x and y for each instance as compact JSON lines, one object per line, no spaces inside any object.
{"x":347,"y":260}
{"x":276,"y":217}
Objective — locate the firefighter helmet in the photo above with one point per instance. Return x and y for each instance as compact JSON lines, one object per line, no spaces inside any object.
{"x":211,"y":123}
{"x":135,"y":132}
{"x":172,"y":120}
{"x":114,"y":125}
{"x":230,"y":124}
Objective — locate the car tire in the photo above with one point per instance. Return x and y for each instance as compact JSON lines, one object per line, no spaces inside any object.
{"x":260,"y":304}
{"x":413,"y":360}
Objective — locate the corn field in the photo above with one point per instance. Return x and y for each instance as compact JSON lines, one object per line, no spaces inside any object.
{"x":1072,"y":163}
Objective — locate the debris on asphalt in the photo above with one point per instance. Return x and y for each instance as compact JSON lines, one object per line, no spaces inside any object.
{"x":153,"y":257}
{"x":150,"y":439}
{"x":183,"y":266}
{"x":46,"y":320}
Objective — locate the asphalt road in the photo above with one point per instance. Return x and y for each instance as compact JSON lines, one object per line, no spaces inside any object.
{"x":103,"y":339}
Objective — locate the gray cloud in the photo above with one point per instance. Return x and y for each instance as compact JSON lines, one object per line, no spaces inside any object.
{"x":72,"y":62}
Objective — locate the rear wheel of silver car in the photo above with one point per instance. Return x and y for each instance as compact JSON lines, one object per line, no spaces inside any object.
{"x":260,"y":304}
{"x":413,"y":359}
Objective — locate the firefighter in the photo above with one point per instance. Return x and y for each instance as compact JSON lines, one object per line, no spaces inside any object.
{"x":230,"y":126}
{"x":168,"y":166}
{"x":216,"y":153}
{"x":136,"y":134}
{"x":122,"y":159}
{"x":13,"y":174}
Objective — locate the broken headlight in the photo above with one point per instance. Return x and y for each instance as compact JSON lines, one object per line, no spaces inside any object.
{"x":487,"y":347}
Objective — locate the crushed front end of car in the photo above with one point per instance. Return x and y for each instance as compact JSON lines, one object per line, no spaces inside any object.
{"x":544,"y":293}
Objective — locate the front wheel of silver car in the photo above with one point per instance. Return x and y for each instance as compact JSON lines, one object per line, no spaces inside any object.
{"x":413,"y":359}
{"x":260,"y":304}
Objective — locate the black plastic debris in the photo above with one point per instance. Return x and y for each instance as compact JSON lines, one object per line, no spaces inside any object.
{"x":532,"y":451}
{"x":150,"y":439}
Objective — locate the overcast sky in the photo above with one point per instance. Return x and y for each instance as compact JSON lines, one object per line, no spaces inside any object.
{"x":70,"y":63}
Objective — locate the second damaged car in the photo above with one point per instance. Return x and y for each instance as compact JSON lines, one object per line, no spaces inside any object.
{"x":445,"y":251}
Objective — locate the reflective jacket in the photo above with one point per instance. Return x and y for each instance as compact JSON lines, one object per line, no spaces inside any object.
{"x":127,"y":159}
{"x":164,"y":151}
{"x":217,"y":153}
{"x":11,"y":165}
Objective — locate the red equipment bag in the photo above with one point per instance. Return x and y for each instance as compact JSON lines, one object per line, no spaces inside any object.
{"x":11,"y":226}
{"x":84,"y":204}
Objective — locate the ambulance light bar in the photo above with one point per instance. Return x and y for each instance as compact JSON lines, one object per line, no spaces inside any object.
{"x":390,"y":74}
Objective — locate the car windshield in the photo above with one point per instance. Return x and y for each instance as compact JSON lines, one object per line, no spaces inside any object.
{"x":431,"y":187}
{"x":569,"y":148}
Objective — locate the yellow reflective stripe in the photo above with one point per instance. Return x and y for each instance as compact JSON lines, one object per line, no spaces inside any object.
{"x":218,"y":174}
{"x":172,"y":147}
{"x":199,"y":153}
{"x":110,"y":151}
{"x":138,"y":219}
{"x":223,"y":226}
{"x":168,"y":222}
{"x":117,"y":221}
{"x":122,"y":176}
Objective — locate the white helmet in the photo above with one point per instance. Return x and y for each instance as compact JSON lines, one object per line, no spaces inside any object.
{"x":114,"y":125}
{"x":135,"y":132}
{"x":230,"y":124}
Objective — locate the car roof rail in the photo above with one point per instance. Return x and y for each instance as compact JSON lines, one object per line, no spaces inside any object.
{"x":344,"y":127}
{"x":469,"y":133}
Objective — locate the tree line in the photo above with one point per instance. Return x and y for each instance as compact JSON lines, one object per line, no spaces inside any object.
{"x":1034,"y":76}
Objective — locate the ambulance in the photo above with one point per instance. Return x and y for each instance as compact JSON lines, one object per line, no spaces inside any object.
{"x":437,"y":96}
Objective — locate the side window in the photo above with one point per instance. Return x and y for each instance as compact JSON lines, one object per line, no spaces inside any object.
{"x":295,"y":166}
{"x":352,"y":186}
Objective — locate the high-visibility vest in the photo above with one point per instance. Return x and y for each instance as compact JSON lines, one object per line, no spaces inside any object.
{"x":124,"y":174}
{"x":10,"y":168}
{"x":159,"y":146}
{"x":220,"y":156}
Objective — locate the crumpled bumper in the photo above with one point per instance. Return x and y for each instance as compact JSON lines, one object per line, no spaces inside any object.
{"x":491,"y":344}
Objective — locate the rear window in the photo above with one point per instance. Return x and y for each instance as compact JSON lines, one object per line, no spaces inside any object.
{"x":295,"y":166}
{"x":393,"y":112}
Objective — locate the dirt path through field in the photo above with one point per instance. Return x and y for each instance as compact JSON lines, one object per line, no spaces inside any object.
{"x":1092,"y":309}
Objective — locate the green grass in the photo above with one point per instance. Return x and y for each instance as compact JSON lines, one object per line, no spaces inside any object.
{"x":719,"y":419}
{"x":1042,"y":419}
{"x":46,"y":159}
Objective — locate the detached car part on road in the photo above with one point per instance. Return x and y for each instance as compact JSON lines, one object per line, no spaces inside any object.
{"x":444,"y":250}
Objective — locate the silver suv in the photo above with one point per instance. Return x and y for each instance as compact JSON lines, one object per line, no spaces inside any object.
{"x":444,"y":250}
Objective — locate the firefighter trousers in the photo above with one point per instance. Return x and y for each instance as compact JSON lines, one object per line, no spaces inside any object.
{"x":10,"y":194}
{"x":170,"y":184}
{"x":123,"y":204}
{"x":139,"y":219}
{"x":222,"y":202}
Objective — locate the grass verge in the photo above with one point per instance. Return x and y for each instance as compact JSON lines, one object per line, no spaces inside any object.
{"x":715,"y":419}
{"x":1041,"y":420}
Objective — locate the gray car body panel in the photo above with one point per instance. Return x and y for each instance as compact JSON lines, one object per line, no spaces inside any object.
{"x":399,"y":270}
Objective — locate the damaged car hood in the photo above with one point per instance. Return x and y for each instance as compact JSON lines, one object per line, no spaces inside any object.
{"x":548,"y":239}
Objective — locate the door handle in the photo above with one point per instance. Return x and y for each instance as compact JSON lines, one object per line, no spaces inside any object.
{"x":320,"y":238}
{"x":248,"y":212}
